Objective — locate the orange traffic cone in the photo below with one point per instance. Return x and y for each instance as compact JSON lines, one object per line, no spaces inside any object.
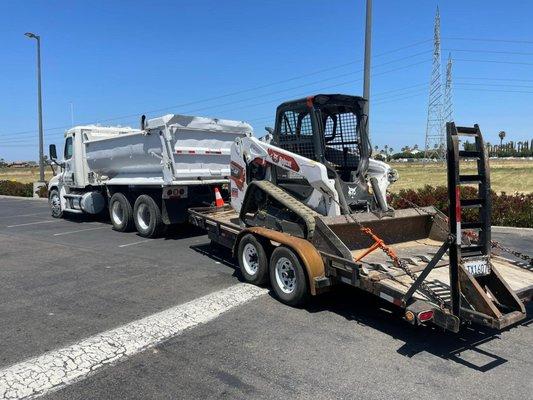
{"x":219,"y":201}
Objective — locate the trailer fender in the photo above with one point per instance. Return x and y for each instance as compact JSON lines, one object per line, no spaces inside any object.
{"x":308,"y":254}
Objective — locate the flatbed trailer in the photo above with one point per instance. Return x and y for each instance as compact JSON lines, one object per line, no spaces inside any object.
{"x":376,"y":274}
{"x":417,"y":259}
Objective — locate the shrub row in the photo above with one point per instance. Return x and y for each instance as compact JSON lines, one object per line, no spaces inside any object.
{"x":14,"y":188}
{"x":507,"y":209}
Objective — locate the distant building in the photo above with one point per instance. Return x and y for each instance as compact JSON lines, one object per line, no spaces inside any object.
{"x":19,"y":164}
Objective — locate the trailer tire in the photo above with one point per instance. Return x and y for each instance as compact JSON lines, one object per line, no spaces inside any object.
{"x":253,"y":260}
{"x":147,"y":217}
{"x":287,"y":277}
{"x":54,"y":201}
{"x":121,"y":213}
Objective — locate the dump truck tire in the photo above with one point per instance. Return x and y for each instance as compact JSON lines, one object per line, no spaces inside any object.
{"x":147,"y":217}
{"x":121,"y":213}
{"x":253,"y":260}
{"x":287,"y":277}
{"x":54,"y":201}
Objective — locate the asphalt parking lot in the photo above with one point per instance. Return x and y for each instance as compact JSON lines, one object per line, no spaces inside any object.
{"x":63,"y":281}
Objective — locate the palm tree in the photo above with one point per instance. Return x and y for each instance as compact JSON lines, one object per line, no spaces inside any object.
{"x":501,"y":135}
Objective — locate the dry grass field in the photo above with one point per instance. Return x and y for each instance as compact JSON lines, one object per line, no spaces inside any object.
{"x":506,"y":175}
{"x":23,"y":175}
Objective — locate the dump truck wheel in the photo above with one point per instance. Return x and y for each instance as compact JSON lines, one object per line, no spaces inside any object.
{"x":54,"y":201}
{"x":287,"y":277}
{"x":147,"y":217}
{"x":252,"y":260}
{"x":121,"y":213}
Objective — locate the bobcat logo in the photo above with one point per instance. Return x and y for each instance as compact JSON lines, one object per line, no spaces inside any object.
{"x":352,"y":191}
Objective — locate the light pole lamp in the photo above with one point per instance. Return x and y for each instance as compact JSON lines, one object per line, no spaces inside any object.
{"x":39,"y":104}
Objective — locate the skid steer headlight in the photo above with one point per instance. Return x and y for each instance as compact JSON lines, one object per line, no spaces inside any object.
{"x":393,"y":175}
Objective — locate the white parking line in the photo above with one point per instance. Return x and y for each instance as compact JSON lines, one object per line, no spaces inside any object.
{"x":32,"y":223}
{"x":56,"y":369}
{"x":131,"y":244}
{"x":79,"y":230}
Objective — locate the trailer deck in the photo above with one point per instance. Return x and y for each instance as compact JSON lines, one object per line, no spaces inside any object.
{"x":376,"y":273}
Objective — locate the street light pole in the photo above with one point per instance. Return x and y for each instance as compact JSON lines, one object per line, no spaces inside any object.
{"x":39,"y":105}
{"x":368,"y":48}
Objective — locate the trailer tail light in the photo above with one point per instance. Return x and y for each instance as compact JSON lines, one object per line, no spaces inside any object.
{"x":409,"y":316}
{"x":425,"y":316}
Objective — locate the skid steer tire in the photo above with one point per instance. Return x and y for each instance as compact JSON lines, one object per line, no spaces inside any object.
{"x":287,"y":277}
{"x":121,"y":213}
{"x":147,"y":217}
{"x":253,"y":260}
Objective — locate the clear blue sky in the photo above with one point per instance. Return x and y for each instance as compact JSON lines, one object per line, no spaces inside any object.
{"x":122,"y":58}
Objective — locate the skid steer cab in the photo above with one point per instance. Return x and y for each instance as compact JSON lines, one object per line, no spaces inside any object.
{"x":319,"y":153}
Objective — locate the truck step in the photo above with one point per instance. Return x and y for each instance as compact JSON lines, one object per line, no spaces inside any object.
{"x":73,"y":211}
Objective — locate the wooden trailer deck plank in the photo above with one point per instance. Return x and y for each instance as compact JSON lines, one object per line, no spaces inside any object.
{"x":517,"y":277}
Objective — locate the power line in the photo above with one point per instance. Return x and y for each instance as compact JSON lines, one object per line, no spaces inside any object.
{"x":275,"y":92}
{"x":400,"y":96}
{"x":248,"y":89}
{"x":489,"y":40}
{"x":493,"y":84}
{"x":519,"y":53}
{"x":494,"y":61}
{"x":495,"y":79}
{"x":496,"y":90}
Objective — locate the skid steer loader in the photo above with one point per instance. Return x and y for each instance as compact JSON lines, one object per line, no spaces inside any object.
{"x":309,"y":210}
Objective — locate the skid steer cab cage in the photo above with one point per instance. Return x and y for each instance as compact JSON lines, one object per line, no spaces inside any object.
{"x":445,"y":279}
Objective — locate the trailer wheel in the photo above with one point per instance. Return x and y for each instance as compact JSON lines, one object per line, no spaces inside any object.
{"x":252,"y":260}
{"x":147,"y":217}
{"x":287,"y":277}
{"x":54,"y":201}
{"x":121,"y":213}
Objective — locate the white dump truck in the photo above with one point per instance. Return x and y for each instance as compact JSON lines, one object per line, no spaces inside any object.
{"x":147,"y":178}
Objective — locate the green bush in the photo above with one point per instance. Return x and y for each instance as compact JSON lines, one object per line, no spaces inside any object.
{"x":14,"y":188}
{"x":507,"y":209}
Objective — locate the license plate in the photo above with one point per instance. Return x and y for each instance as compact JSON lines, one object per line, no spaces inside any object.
{"x":477,"y":267}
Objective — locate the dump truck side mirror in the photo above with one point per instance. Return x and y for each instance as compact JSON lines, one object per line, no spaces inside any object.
{"x":53,"y":152}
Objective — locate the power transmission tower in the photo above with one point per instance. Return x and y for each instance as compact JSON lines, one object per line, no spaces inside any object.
{"x":435,"y":144}
{"x":448,"y":103}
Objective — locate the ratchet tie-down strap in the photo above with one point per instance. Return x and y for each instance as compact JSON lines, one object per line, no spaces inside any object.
{"x":378,"y":243}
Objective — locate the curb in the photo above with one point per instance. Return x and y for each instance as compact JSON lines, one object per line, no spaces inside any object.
{"x":513,"y":228}
{"x":3,"y":196}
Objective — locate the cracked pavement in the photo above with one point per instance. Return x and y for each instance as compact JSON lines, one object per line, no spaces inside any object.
{"x":65,"y":298}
